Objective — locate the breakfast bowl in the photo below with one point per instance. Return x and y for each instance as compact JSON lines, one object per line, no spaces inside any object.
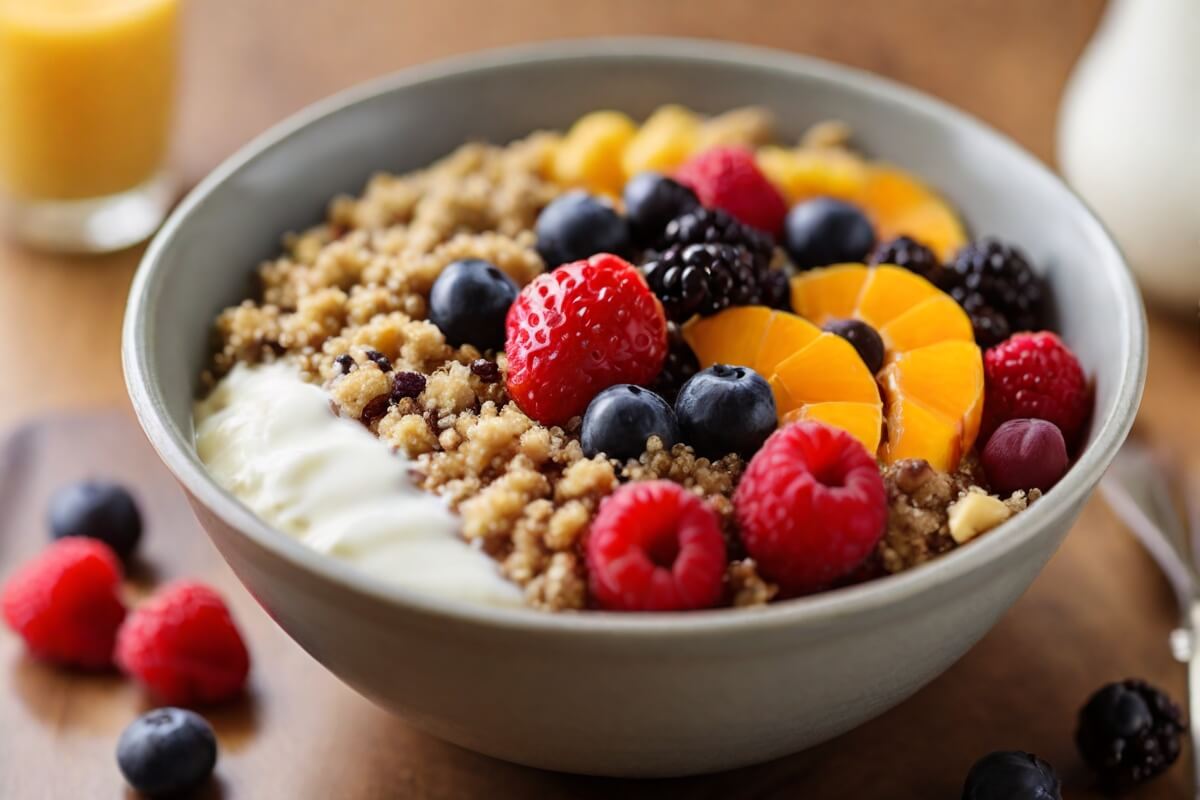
{"x":650,"y":694}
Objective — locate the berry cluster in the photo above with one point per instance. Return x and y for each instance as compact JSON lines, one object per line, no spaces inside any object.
{"x":992,"y":281}
{"x":181,"y":645}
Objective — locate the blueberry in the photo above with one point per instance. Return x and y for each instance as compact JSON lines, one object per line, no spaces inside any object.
{"x":1012,"y":775}
{"x":620,"y":419}
{"x":653,"y":200}
{"x":576,"y":226}
{"x":97,"y":510}
{"x":864,"y":338}
{"x":724,"y":410}
{"x":167,"y":752}
{"x":469,"y":302}
{"x":825,"y":231}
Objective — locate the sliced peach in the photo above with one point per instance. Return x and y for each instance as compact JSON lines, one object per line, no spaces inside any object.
{"x":820,"y":295}
{"x":784,"y":404}
{"x":827,"y":369}
{"x":732,"y":337}
{"x":813,"y":375}
{"x":863,"y":421}
{"x":932,"y":378}
{"x":663,"y":142}
{"x":914,"y":431}
{"x":901,"y":205}
{"x":946,"y":379}
{"x":938,"y":318}
{"x":785,"y":334}
{"x":808,"y":172}
{"x":890,"y":291}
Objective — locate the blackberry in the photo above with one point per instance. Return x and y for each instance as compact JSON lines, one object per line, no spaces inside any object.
{"x":710,"y":261}
{"x":993,"y":281}
{"x":1129,"y":732}
{"x":680,"y":365}
{"x":910,"y":254}
{"x":714,"y":226}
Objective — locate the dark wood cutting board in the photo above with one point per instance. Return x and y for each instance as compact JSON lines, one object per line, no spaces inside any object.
{"x":1099,"y":612}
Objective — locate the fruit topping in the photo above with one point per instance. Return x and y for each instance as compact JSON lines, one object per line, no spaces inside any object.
{"x":1129,"y":732}
{"x":167,"y":752}
{"x":813,"y":375}
{"x":469,"y":303}
{"x":66,"y":603}
{"x":620,"y":419}
{"x":934,"y":396}
{"x":710,"y":262}
{"x":726,"y":409}
{"x":578,"y":225}
{"x":680,"y":365}
{"x":574,"y":332}
{"x":663,"y":142}
{"x":729,"y":179}
{"x":184,"y":647}
{"x":895,"y":201}
{"x":97,"y":510}
{"x":933,"y":374}
{"x":655,"y":546}
{"x":1035,"y":375}
{"x":1012,"y":775}
{"x":901,"y":205}
{"x":906,"y":252}
{"x":810,"y":507}
{"x":825,"y":231}
{"x":590,"y":155}
{"x":1024,"y":454}
{"x":998,"y":288}
{"x":653,"y":200}
{"x":864,"y":338}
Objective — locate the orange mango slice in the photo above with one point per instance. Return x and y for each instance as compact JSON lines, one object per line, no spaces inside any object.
{"x":896,"y":201}
{"x":932,"y":379}
{"x":813,"y":375}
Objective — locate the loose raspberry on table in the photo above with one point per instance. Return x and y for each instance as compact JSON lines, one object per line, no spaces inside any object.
{"x":574,"y":332}
{"x":655,"y":546}
{"x":728,"y":178}
{"x":1035,"y":376}
{"x":184,"y":646}
{"x":810,"y":507}
{"x":66,"y":603}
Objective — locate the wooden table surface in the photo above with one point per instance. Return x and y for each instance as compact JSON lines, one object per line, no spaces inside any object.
{"x":1099,"y":612}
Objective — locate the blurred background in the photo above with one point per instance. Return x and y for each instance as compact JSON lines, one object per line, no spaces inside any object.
{"x":246,"y":64}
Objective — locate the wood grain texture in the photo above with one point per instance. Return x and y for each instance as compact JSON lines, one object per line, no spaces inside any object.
{"x":1099,"y":612}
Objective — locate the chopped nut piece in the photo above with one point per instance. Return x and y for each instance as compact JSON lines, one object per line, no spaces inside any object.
{"x":975,"y":513}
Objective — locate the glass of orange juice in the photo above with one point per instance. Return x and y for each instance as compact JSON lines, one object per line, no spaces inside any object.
{"x":86,"y":96}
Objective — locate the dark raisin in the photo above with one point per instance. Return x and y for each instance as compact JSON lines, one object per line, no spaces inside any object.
{"x":375,"y":409}
{"x":486,"y":371}
{"x":407,"y":384}
{"x":379,"y":359}
{"x":345,"y":361}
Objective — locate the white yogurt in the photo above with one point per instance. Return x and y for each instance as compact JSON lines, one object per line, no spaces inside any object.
{"x":272,"y":440}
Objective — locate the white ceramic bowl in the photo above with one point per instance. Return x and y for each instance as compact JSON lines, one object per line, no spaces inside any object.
{"x":622,"y":694}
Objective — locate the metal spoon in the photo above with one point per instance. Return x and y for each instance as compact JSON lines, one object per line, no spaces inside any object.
{"x":1139,"y":487}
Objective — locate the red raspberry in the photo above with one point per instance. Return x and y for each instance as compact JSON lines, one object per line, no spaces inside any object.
{"x":66,"y":603}
{"x":728,"y":178}
{"x":1035,"y":376}
{"x":655,"y":546}
{"x":184,"y":646}
{"x":811,"y":506}
{"x":574,"y":332}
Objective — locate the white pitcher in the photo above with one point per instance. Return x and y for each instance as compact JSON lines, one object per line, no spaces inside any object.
{"x":1129,"y":140}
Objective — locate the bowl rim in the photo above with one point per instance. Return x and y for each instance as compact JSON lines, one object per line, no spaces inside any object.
{"x":833,"y":605}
